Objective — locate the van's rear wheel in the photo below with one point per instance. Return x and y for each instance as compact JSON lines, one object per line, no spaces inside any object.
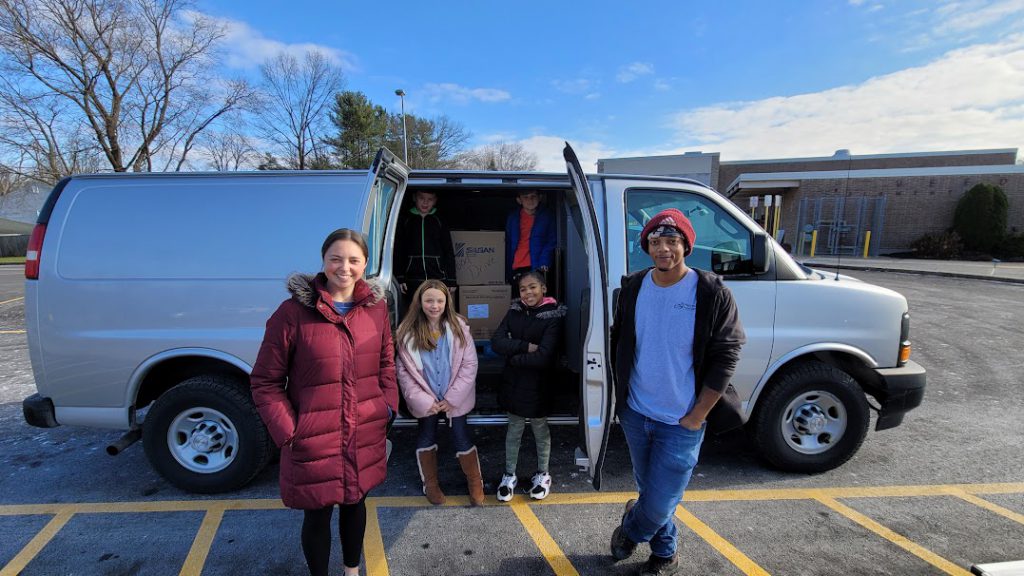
{"x":205,"y":435}
{"x":813,"y":418}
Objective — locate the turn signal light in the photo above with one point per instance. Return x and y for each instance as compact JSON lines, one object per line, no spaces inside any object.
{"x":904,"y":352}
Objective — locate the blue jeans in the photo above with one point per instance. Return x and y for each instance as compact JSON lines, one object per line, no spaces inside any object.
{"x":428,"y":432}
{"x":663,"y":458}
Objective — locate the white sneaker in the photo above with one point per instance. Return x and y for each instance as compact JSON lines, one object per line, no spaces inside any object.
{"x":507,"y":487}
{"x":541,"y":486}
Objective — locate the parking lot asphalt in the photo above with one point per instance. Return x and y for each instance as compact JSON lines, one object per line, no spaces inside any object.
{"x":941,"y":492}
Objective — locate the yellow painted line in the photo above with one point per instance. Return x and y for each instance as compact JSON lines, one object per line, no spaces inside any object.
{"x":897,"y":539}
{"x":1019,"y":518}
{"x":724,"y":547}
{"x":18,"y":563}
{"x":201,"y":545}
{"x":12,"y":300}
{"x":134,"y":507}
{"x":373,"y":543}
{"x":547,"y":545}
{"x":12,"y":331}
{"x":565,"y":499}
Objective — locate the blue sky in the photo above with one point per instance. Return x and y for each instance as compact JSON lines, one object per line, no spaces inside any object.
{"x":748,"y":79}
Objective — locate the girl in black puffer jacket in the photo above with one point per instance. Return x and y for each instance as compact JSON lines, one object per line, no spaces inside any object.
{"x":528,"y":337}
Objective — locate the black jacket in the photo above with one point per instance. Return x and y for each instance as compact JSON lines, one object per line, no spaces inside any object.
{"x":717,"y":339}
{"x":423,"y":249}
{"x":526,"y":386}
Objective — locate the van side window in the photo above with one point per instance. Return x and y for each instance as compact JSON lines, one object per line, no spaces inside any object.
{"x":722,"y":246}
{"x":381,"y":198}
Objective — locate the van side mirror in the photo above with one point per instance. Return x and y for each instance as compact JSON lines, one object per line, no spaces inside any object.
{"x":759,"y":253}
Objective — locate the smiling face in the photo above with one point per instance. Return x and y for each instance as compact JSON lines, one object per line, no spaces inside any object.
{"x":529,"y":201}
{"x":667,"y":252}
{"x":344,"y":264}
{"x":531,"y":290}
{"x":433,"y":302}
{"x":425,"y":202}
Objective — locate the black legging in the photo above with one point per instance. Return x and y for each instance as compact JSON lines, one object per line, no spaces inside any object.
{"x":316,"y":535}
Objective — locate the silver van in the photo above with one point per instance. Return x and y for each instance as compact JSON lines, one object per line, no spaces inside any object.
{"x":146,"y":297}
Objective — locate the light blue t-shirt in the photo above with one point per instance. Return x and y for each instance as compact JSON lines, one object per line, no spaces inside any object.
{"x":437,"y":366}
{"x":343,"y":308}
{"x":661,"y":384}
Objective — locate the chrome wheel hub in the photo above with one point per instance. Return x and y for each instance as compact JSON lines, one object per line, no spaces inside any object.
{"x":814,"y":421}
{"x":202,"y":440}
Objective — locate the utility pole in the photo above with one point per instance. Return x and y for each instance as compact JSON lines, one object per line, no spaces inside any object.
{"x":405,"y":133}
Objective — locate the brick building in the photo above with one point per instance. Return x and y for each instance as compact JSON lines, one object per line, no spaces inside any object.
{"x":897,"y":197}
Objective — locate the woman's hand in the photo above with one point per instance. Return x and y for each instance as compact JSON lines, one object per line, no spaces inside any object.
{"x":443,"y":406}
{"x":531,"y":348}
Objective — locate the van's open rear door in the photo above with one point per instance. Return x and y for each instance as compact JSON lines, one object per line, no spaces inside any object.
{"x":595,"y":391}
{"x":386,"y":183}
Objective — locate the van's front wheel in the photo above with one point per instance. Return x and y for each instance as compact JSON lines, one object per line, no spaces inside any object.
{"x":204,"y":435}
{"x":813,"y":418}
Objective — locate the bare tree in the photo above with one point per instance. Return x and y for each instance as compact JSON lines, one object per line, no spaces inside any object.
{"x":504,"y":156}
{"x":129,"y":80}
{"x":229,"y":151}
{"x":296,"y":101}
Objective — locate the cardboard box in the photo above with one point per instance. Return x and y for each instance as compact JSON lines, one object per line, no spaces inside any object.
{"x":479,"y":257}
{"x":484,"y":306}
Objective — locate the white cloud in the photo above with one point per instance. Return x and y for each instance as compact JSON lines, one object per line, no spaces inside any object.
{"x":247,"y":48}
{"x":549,"y":152}
{"x":634,"y":71}
{"x":572,"y":86}
{"x":969,"y":98}
{"x":973,"y":15}
{"x":662,"y":85}
{"x":463,"y":95}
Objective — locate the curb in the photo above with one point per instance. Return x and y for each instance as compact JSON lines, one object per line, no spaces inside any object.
{"x":825,"y":267}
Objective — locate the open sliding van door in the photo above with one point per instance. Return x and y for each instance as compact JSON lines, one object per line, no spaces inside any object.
{"x":386,"y":184}
{"x":595,"y":377}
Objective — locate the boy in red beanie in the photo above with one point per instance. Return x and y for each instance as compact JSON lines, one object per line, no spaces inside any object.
{"x":676,"y":339}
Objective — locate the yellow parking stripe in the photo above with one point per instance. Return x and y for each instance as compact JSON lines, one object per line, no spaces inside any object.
{"x":373,"y":543}
{"x":12,"y":331}
{"x":547,"y":545}
{"x":897,"y":539}
{"x":724,"y":547}
{"x":12,"y":300}
{"x":1019,"y":518}
{"x":553,"y":499}
{"x":18,"y":563}
{"x":201,"y":545}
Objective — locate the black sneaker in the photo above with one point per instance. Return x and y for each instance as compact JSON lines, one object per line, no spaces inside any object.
{"x":658,"y":566}
{"x":621,"y":546}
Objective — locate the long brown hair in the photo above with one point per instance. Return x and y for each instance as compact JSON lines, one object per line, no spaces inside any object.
{"x":415,"y":327}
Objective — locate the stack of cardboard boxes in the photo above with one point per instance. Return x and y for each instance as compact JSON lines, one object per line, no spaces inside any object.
{"x":480,"y":270}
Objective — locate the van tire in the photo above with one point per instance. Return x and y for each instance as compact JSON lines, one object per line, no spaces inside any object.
{"x":233,"y":444}
{"x":798,"y":419}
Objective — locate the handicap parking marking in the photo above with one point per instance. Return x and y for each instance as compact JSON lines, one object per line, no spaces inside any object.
{"x":525,"y":511}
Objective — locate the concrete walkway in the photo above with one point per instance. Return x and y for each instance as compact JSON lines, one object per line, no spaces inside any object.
{"x":998,"y":271}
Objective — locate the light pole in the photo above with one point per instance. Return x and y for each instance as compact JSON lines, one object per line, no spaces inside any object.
{"x":405,"y":134}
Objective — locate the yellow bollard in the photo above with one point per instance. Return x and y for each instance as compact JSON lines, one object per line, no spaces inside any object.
{"x":814,"y":241}
{"x":867,"y":242}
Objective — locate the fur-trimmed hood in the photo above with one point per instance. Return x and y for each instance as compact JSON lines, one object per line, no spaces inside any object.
{"x":307,"y":288}
{"x":548,"y":308}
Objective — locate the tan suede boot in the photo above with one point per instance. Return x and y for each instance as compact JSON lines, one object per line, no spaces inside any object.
{"x":470,"y":462}
{"x":426,"y":458}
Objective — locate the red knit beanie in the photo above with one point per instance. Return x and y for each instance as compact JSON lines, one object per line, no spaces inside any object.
{"x":674,"y":219}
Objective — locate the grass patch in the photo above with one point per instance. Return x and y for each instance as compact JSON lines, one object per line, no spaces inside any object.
{"x":12,"y":259}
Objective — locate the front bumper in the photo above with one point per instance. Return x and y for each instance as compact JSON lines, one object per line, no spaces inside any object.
{"x":39,"y":411}
{"x":902,"y":390}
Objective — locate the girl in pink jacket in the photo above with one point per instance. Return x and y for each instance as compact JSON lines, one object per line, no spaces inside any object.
{"x":437,"y":374}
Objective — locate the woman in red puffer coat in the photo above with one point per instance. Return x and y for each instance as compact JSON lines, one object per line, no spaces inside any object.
{"x":324,"y":384}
